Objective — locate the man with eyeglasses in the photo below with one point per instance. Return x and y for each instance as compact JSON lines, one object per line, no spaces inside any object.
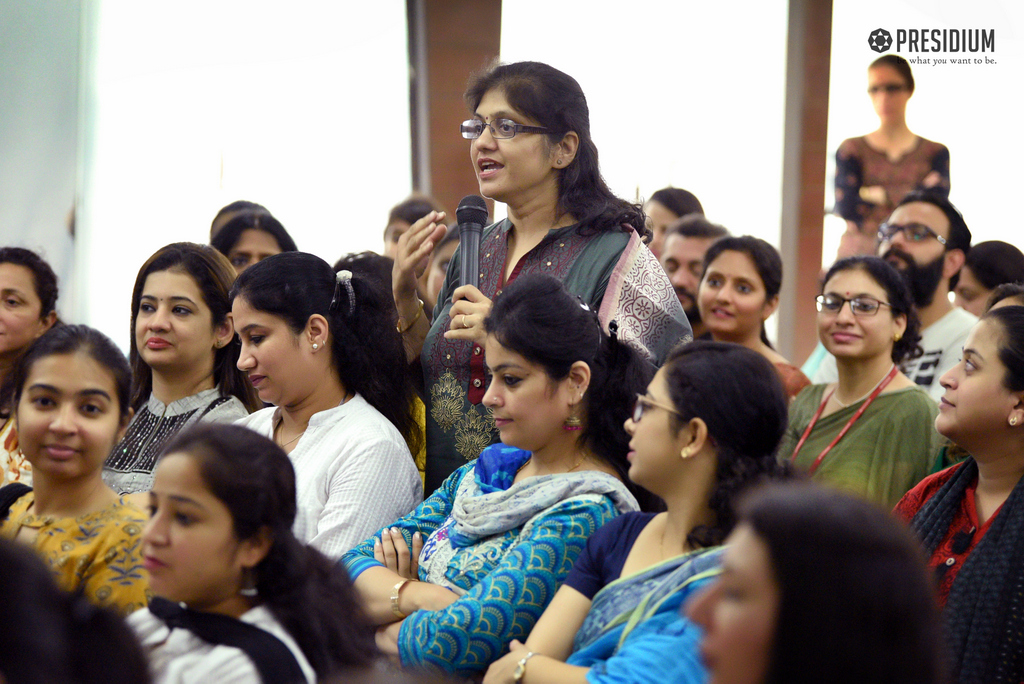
{"x":926,"y":240}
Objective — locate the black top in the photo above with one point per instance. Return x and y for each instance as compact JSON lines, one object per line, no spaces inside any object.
{"x":601,"y":561}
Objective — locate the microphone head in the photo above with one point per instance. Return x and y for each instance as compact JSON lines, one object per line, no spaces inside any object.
{"x":472,"y":209}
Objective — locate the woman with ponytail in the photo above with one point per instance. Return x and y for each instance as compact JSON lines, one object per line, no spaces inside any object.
{"x":324,"y":349}
{"x":236,"y":597}
{"x":490,"y":546}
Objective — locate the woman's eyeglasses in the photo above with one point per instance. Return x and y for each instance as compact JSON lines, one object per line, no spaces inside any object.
{"x":643,"y":404}
{"x":502,"y":129}
{"x":914,"y":232}
{"x":888,"y":88}
{"x":860,"y":306}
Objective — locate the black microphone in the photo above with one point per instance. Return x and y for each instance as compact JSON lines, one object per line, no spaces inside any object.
{"x":471,"y":215}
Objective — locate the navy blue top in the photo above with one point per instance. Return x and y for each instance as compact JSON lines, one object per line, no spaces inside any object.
{"x":601,"y":561}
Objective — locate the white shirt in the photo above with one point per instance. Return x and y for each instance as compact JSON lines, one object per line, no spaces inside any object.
{"x":177,"y":656}
{"x":942,"y":342}
{"x":354,"y":474}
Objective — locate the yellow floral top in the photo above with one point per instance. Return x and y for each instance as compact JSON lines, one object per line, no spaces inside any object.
{"x":14,"y":467}
{"x":99,"y":553}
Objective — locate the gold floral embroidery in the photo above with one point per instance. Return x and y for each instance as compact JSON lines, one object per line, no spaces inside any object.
{"x":446,"y":401}
{"x":473,"y":434}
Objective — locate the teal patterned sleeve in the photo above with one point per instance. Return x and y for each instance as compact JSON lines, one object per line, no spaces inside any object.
{"x":476,"y":630}
{"x":425,"y":518}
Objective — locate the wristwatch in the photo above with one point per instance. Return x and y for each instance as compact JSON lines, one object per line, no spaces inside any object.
{"x":520,"y":670}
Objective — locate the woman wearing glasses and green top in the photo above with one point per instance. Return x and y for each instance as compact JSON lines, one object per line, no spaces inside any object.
{"x":872,"y":432}
{"x":531,"y":150}
{"x":875,"y":171}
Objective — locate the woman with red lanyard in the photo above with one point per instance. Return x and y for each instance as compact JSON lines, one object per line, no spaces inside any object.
{"x":970,"y":517}
{"x":871,"y":433}
{"x":531,"y":149}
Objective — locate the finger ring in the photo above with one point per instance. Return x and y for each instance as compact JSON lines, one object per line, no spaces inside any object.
{"x":464,"y":321}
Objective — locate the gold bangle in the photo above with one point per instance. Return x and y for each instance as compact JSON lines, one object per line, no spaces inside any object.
{"x":401,"y":330}
{"x":395,"y":592}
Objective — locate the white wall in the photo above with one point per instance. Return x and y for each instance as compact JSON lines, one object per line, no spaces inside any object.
{"x":681,"y":93}
{"x":38,"y":129}
{"x":302,"y":107}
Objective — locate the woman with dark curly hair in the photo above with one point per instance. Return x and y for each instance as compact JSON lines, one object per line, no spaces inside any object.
{"x":696,"y":449}
{"x":871,"y":433}
{"x":531,"y":148}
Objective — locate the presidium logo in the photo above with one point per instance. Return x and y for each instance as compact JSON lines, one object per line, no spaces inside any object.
{"x":934,"y":40}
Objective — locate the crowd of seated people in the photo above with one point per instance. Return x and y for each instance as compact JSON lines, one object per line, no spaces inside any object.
{"x":375,"y":472}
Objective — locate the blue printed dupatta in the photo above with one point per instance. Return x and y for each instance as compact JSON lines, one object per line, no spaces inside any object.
{"x":632,"y":620}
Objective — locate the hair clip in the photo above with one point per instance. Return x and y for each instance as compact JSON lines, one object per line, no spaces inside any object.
{"x":344,"y":277}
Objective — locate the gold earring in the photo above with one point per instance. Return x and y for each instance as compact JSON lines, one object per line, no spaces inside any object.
{"x":573,"y":422}
{"x":1013,"y":421}
{"x":897,"y":337}
{"x":686,"y":453}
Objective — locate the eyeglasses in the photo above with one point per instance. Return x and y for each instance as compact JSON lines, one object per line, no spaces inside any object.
{"x":860,"y":306}
{"x":915,"y":232}
{"x":643,"y":404}
{"x":888,"y":88}
{"x":502,"y":129}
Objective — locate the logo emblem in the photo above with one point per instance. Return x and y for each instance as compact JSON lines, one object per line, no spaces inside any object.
{"x":880,"y":40}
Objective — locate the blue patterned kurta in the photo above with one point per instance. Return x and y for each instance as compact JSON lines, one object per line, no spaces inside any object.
{"x":504,"y":548}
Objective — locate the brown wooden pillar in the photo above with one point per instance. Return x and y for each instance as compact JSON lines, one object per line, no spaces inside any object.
{"x":803,"y":177}
{"x":448,"y":41}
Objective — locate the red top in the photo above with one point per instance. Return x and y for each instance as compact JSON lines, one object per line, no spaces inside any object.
{"x":964,"y":532}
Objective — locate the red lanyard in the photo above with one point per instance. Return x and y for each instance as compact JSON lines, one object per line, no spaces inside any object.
{"x":817,"y":462}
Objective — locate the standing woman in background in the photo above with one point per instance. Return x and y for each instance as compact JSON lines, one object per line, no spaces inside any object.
{"x":531,"y":149}
{"x":183,"y":362}
{"x":875,"y":171}
{"x":28,"y":297}
{"x":322,"y":347}
{"x":738,"y":292}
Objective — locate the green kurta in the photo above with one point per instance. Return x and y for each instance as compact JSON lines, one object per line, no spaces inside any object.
{"x":886,"y":452}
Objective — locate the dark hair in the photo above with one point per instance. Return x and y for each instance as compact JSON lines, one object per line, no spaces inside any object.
{"x":856,"y":601}
{"x":901,"y":66}
{"x":537,"y":318}
{"x":696,"y":226}
{"x":48,"y":636}
{"x":453,"y":235}
{"x":213,"y":275}
{"x":230,"y":211}
{"x":959,"y":234}
{"x":43,"y":277}
{"x":368,"y":265}
{"x":366,"y":348}
{"x":1005,"y":291}
{"x":70,"y":339}
{"x":240,"y":205}
{"x":1011,"y":343}
{"x":896,"y":291}
{"x":412,"y":209}
{"x":746,"y":415}
{"x":680,"y":202}
{"x":556,"y":102}
{"x":765,"y":258}
{"x":994,"y":262}
{"x":225,"y":239}
{"x":309,"y":594}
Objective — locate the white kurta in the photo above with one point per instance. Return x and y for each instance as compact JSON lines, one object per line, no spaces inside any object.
{"x":354,"y":474}
{"x":177,"y":656}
